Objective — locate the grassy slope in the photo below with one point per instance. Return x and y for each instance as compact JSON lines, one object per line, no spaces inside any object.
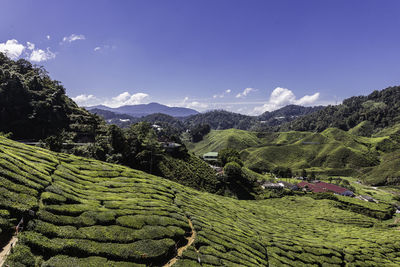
{"x":91,"y":213}
{"x":331,"y":152}
{"x":219,"y":139}
{"x":332,"y":148}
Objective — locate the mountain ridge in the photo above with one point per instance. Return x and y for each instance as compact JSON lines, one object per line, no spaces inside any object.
{"x":217,"y":119}
{"x":377,"y":110}
{"x":141,"y":110}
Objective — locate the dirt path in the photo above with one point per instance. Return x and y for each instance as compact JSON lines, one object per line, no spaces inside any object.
{"x":180,"y":251}
{"x":7,"y":249}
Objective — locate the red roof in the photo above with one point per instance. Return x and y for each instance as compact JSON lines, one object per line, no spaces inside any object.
{"x":319,"y":187}
{"x":331,"y":187}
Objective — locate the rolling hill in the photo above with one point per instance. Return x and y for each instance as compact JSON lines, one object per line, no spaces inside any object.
{"x":331,"y":152}
{"x":83,"y":212}
{"x":219,"y":139}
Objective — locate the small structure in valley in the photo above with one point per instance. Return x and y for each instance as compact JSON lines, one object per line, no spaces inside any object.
{"x":157,"y":127}
{"x":210,"y":156}
{"x":269,"y":185}
{"x":367,"y":198}
{"x":170,"y":146}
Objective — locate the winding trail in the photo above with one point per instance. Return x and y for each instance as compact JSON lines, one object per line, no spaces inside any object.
{"x":180,"y":251}
{"x":7,"y":249}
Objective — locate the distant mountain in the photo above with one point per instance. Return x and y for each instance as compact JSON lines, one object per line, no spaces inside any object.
{"x":217,"y":119}
{"x":147,"y":109}
{"x":125,"y":120}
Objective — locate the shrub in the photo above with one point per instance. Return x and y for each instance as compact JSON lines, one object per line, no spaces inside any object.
{"x":232,"y":170}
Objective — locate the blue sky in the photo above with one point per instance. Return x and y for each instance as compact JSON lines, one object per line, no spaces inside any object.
{"x":244,"y":56}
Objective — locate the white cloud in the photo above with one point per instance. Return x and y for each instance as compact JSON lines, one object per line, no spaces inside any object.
{"x":120,"y":100}
{"x":40,"y":55}
{"x":12,"y":48}
{"x":193,"y":104}
{"x":48,"y":37}
{"x":196,"y":104}
{"x":228,"y":91}
{"x":104,"y":48}
{"x":308,"y":100}
{"x":86,"y":100}
{"x":30,"y":45}
{"x":127,"y":99}
{"x":73,"y":37}
{"x":281,"y":97}
{"x":245,"y":92}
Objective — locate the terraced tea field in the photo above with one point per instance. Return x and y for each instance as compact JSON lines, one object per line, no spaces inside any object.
{"x":91,"y":213}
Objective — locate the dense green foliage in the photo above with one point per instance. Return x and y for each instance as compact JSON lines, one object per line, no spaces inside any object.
{"x":197,"y":132}
{"x":285,"y":114}
{"x":227,"y":155}
{"x":91,"y":213}
{"x":30,"y":99}
{"x":190,"y":171}
{"x":282,"y":172}
{"x":221,"y":119}
{"x":378,"y":110}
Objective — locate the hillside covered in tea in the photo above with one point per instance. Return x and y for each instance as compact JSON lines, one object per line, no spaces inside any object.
{"x":331,"y":152}
{"x":83,"y":212}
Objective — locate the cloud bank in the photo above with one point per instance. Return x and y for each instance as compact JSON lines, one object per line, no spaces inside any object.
{"x":193,"y":104}
{"x":120,"y":100}
{"x":281,"y":97}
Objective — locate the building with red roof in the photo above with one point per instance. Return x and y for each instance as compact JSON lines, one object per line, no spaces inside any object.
{"x":322,"y":187}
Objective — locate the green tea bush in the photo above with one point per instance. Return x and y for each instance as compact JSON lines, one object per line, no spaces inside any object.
{"x":63,"y":260}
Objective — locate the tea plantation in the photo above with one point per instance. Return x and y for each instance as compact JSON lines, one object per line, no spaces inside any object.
{"x":82,"y":212}
{"x":332,"y":152}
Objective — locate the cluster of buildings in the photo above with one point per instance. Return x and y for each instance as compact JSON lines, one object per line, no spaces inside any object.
{"x":210,"y":156}
{"x":316,"y":187}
